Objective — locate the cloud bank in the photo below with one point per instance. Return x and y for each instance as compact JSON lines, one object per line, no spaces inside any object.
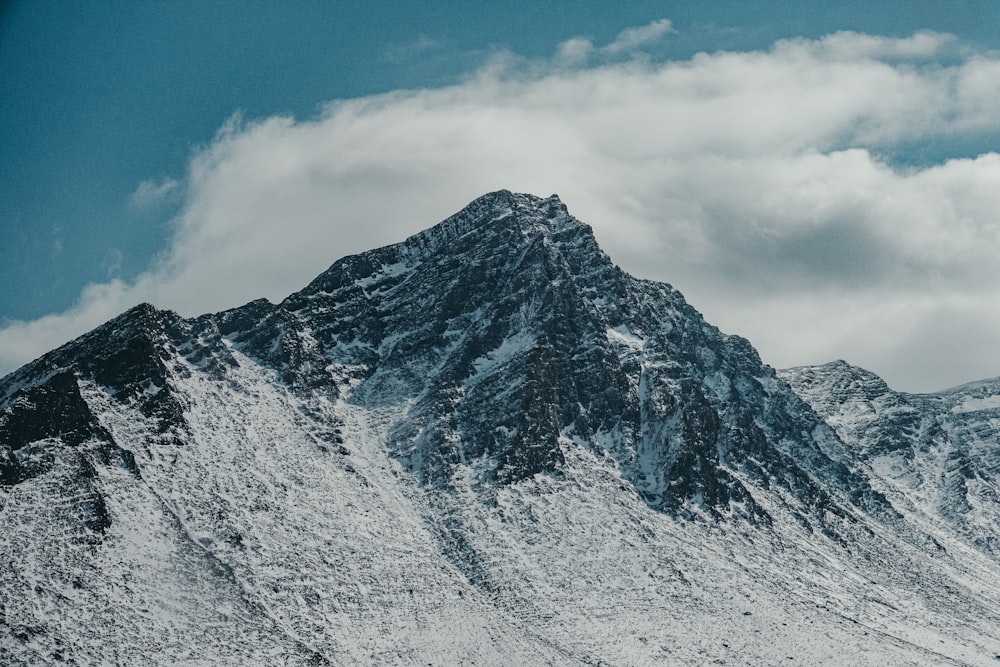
{"x":765,"y":185}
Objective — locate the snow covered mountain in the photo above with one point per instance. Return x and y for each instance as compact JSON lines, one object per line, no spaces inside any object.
{"x":936,"y":455}
{"x":485,"y":445}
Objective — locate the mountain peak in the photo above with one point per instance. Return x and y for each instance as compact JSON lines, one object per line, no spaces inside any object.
{"x":836,"y":379}
{"x":513,"y":296}
{"x":505,"y":199}
{"x":503,"y":208}
{"x":485,"y":231}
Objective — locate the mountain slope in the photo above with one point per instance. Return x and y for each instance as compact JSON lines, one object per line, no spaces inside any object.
{"x":937,"y":454}
{"x":486,"y":444}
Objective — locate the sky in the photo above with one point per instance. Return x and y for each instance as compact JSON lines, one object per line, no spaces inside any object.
{"x":820,"y":178}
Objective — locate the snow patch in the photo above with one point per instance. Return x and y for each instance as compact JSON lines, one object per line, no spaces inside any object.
{"x":387,"y":271}
{"x":511,"y":347}
{"x":622,"y":335}
{"x":970,"y":404}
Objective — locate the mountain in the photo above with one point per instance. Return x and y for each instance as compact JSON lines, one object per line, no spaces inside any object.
{"x":936,"y":455}
{"x":486,"y":444}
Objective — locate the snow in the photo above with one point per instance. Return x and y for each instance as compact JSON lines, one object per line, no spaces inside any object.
{"x":393,"y":270}
{"x":971,"y":404}
{"x":343,"y":554}
{"x":622,"y":335}
{"x":275,"y":524}
{"x":511,"y":347}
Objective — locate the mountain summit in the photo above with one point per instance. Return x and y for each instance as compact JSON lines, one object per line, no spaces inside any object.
{"x":485,"y":444}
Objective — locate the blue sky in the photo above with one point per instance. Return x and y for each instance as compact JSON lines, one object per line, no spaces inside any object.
{"x":117,"y":126}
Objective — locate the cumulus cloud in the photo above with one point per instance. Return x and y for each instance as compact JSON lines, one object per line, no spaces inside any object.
{"x":847,"y":45}
{"x":578,"y":50}
{"x":574,"y":52}
{"x":759,"y":183}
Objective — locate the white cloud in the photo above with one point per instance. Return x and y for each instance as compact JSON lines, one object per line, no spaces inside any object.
{"x":152,"y":192}
{"x":22,"y":341}
{"x":754,"y":182}
{"x":574,"y":52}
{"x":57,"y":244}
{"x":401,"y":53}
{"x":848,"y":45}
{"x":631,"y":39}
{"x":112,"y":263}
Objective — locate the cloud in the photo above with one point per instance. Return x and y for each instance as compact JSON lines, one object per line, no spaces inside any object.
{"x":401,"y":53}
{"x":21,"y":341}
{"x":574,"y":52}
{"x":848,"y":45}
{"x":112,"y":263}
{"x":151,"y":192}
{"x":762,"y":184}
{"x":577,"y":51}
{"x":57,"y":244}
{"x":631,"y":39}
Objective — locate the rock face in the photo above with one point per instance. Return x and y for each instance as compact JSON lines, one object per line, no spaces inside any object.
{"x":485,"y":444}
